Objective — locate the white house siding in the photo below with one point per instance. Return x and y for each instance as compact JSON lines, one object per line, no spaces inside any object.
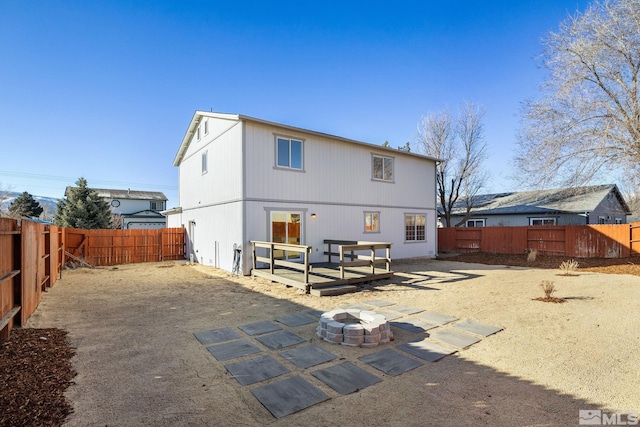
{"x":222,"y":183}
{"x":214,"y":233}
{"x":336,"y":185}
{"x":334,"y":171}
{"x":345,"y":223}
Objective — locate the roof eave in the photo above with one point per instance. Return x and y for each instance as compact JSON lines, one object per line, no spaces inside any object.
{"x":198,"y":115}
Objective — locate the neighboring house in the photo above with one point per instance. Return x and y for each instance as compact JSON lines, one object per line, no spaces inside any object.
{"x":597,"y":204}
{"x":136,"y":209}
{"x":243,"y":179}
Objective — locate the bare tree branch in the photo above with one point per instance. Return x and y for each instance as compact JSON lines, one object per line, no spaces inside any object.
{"x":587,"y":121}
{"x":459,"y":142}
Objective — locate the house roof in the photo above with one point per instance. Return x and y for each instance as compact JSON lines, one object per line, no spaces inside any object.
{"x":199,"y":115}
{"x":568,"y":200}
{"x":108,"y":193}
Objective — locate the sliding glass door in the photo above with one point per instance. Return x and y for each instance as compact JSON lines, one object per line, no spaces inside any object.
{"x":285,"y":228}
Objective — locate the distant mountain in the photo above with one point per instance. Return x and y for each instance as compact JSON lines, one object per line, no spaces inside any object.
{"x":48,"y":203}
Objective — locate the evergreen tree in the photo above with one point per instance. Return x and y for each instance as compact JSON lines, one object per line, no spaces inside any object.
{"x":83,"y":208}
{"x":25,"y":206}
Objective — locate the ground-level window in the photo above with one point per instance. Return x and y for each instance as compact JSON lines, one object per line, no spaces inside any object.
{"x":602,"y":220}
{"x":475,"y":222}
{"x":382,"y":168}
{"x":289,"y":153}
{"x":542,"y":221}
{"x":618,"y":220}
{"x":205,"y":165}
{"x":372,"y":222}
{"x":414,"y":226}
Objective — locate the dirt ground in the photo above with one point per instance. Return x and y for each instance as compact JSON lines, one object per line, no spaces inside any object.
{"x":138,"y":363}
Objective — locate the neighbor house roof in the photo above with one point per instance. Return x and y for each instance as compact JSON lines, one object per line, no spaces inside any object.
{"x":561,"y":200}
{"x":199,"y":115}
{"x":108,"y":193}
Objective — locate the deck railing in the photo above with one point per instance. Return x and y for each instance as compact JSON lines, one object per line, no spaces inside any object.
{"x":272,"y":261}
{"x":348,"y":249}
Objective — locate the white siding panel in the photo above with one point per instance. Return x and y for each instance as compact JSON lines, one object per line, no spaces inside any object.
{"x":216,"y":230}
{"x":343,"y":223}
{"x":335,"y":172}
{"x":175,"y":221}
{"x":222,"y":183}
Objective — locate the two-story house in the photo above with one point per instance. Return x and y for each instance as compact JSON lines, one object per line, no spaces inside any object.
{"x":134,"y":208}
{"x":243,"y":179}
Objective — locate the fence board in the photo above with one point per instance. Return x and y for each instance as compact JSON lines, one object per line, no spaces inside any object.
{"x":580,"y":241}
{"x":31,"y":291}
{"x":496,"y":240}
{"x":9,"y":273}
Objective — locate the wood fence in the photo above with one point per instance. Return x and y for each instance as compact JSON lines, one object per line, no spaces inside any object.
{"x":580,"y":241}
{"x":113,"y":247}
{"x":33,"y":254}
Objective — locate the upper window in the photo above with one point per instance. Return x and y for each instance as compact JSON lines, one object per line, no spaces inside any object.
{"x":475,"y":222}
{"x":198,"y":133}
{"x":288,"y":153}
{"x":372,"y":222}
{"x":157,"y":206}
{"x":206,"y":127}
{"x":382,"y":168}
{"x":205,"y":165}
{"x":542,"y":221}
{"x":414,"y":226}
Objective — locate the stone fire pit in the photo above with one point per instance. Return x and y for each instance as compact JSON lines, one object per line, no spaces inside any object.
{"x":356,"y":328}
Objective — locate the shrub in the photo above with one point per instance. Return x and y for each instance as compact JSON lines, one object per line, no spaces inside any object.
{"x":549,"y":288}
{"x":569,"y":267}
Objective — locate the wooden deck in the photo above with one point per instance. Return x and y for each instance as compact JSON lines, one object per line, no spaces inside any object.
{"x":325,"y":278}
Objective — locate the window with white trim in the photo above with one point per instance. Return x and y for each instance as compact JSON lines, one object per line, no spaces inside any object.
{"x":289,"y":153}
{"x":475,"y":222}
{"x":372,"y":222}
{"x":602,"y":220}
{"x":198,"y":133}
{"x":206,"y":127}
{"x":618,"y":220}
{"x":382,"y":168}
{"x":542,"y":221}
{"x":156,"y":206}
{"x":205,"y":165}
{"x":415,"y":227}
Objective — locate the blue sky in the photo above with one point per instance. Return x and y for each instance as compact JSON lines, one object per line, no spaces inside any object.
{"x":106,"y":89}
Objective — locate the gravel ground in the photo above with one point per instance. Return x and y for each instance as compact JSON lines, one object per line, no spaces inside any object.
{"x":36,"y":364}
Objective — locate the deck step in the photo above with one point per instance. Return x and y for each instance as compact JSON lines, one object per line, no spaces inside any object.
{"x":333,"y":290}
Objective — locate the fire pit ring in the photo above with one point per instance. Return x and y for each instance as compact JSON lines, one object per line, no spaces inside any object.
{"x":355,"y":328}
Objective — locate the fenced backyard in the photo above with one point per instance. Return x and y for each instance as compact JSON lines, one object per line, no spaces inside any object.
{"x":33,"y":254}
